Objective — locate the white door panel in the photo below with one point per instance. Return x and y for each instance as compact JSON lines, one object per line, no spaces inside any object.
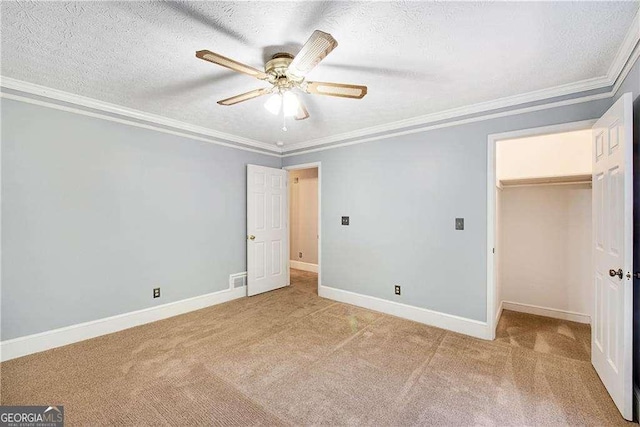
{"x":611,"y":329}
{"x":267,"y":230}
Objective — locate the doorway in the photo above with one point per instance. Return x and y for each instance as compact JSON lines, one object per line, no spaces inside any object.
{"x":544,"y":225}
{"x":304,"y":225}
{"x":531,"y":175}
{"x":611,"y":240}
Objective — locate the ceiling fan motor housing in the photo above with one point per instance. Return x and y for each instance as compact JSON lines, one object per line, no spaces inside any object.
{"x":286,"y":72}
{"x":278,"y":64}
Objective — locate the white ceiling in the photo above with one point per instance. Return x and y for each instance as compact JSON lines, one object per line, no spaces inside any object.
{"x":416,"y":58}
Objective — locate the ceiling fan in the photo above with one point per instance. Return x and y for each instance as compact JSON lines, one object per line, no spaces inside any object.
{"x":286,"y":72}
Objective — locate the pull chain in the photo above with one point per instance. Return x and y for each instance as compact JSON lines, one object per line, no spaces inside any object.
{"x":284,"y":123}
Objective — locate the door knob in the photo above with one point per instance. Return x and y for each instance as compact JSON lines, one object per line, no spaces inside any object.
{"x":252,"y":237}
{"x":618,"y":273}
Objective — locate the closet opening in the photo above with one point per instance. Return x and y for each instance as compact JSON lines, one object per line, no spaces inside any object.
{"x":543,"y":226}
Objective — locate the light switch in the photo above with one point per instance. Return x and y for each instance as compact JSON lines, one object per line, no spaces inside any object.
{"x":459,"y":223}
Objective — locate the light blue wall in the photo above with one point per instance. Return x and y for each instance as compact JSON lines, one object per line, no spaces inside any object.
{"x":402,"y":195}
{"x":95,"y":214}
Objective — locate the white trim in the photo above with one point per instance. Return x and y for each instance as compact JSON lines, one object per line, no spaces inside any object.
{"x":126,"y":122}
{"x":491,"y":237}
{"x":499,"y":313}
{"x":491,"y":197}
{"x":234,"y":276}
{"x":461,"y":122}
{"x":311,"y":166}
{"x":627,"y":68}
{"x":544,"y":130}
{"x":624,"y":60}
{"x":450,"y":114}
{"x":303,"y":166}
{"x":474,"y":328}
{"x":625,"y":51}
{"x":547,"y":312}
{"x":304,"y":266}
{"x":287,"y":152}
{"x":84,"y":101}
{"x":35,"y":343}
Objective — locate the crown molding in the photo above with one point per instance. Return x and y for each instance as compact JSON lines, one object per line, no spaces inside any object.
{"x":83,"y":101}
{"x":84,"y":112}
{"x":626,"y":56}
{"x":626,"y":69}
{"x":483,"y":107}
{"x":626,"y":49}
{"x":461,"y":121}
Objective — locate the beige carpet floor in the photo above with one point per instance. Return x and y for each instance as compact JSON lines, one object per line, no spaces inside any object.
{"x":289,"y":357}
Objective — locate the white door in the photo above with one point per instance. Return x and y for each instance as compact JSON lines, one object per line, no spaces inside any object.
{"x":267,"y":229}
{"x":611,"y":339}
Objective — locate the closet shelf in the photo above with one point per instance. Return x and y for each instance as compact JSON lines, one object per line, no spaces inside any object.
{"x":547,"y":180}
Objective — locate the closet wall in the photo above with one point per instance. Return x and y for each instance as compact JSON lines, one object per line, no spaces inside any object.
{"x":558,"y":155}
{"x":546,"y":247}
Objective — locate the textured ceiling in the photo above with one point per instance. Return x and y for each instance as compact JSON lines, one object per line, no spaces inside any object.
{"x":416,"y":58}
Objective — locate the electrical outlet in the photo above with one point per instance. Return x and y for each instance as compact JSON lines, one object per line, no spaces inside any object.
{"x":299,"y":254}
{"x":397,"y":289}
{"x":156,"y":292}
{"x":345,"y":220}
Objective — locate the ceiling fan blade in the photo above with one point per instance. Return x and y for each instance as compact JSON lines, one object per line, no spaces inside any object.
{"x":230,"y":63}
{"x":318,"y":46}
{"x":302,"y":112}
{"x":245,"y":96}
{"x":337,"y":89}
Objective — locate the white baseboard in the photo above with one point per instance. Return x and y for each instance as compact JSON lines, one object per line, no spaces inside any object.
{"x":299,"y":265}
{"x":22,"y":346}
{"x":475,"y":328}
{"x":548,"y":312}
{"x":499,"y":312}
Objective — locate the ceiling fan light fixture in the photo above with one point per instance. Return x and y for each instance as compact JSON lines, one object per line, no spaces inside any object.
{"x":290,"y":104}
{"x":287,"y":73}
{"x":273,"y":104}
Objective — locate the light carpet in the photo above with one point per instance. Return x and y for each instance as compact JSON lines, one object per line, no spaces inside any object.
{"x":289,"y":357}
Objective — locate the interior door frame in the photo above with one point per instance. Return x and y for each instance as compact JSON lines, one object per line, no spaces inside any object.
{"x":312,"y":165}
{"x":492,"y":139}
